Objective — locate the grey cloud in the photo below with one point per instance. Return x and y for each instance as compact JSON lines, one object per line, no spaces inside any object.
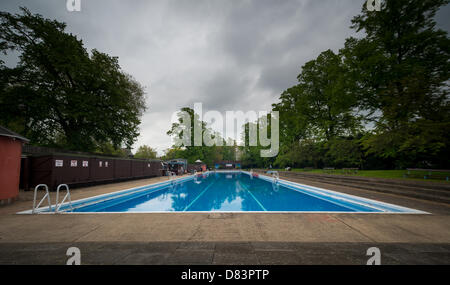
{"x":229,"y":55}
{"x":223,"y":90}
{"x":443,"y":18}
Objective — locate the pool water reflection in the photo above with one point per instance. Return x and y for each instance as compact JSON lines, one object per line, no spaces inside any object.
{"x":236,"y":191}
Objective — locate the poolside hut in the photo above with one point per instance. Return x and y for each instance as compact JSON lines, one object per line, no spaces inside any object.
{"x":200,"y":165}
{"x":10,"y":155}
{"x":179,"y":166}
{"x":41,"y":165}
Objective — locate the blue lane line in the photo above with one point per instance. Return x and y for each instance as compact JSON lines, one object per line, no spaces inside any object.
{"x":188,"y":206}
{"x":257,"y":201}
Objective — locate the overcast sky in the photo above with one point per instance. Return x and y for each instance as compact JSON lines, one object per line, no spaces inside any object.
{"x":229,"y":55}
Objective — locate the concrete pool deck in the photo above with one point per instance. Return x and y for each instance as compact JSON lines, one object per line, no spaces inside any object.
{"x":215,"y":238}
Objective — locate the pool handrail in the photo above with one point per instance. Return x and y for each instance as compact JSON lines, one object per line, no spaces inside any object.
{"x":58,"y":205}
{"x":47,"y":195}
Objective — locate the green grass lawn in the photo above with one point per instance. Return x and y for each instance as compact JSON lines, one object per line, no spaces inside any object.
{"x":388,"y":174}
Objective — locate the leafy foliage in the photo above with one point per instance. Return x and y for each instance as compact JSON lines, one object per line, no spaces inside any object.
{"x":59,"y":94}
{"x":207,"y":154}
{"x":145,"y":151}
{"x":402,"y":69}
{"x":381,"y":102}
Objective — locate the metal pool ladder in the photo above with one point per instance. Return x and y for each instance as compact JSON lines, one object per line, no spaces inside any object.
{"x":58,"y":205}
{"x":172,"y":177}
{"x":275,"y":176}
{"x":47,"y":195}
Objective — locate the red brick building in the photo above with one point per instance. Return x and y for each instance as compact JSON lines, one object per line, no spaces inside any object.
{"x":10,"y":154}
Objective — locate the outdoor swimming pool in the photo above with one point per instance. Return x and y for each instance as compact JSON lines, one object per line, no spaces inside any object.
{"x":233,"y":191}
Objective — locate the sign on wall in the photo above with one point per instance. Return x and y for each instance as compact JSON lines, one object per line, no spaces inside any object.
{"x":100,"y":163}
{"x":58,"y":163}
{"x":85,"y":163}
{"x":73,"y":163}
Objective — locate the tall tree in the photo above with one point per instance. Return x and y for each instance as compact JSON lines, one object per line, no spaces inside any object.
{"x":145,"y":151}
{"x":293,"y":123}
{"x":252,"y":148}
{"x":320,"y":108}
{"x":206,"y":153}
{"x":59,"y":94}
{"x":401,"y":67}
{"x":325,"y":99}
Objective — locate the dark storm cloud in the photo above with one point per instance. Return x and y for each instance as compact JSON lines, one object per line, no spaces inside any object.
{"x":267,"y":42}
{"x":229,"y":55}
{"x":223,"y":90}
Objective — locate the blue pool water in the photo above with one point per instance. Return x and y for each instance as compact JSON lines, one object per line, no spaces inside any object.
{"x":231,"y":191}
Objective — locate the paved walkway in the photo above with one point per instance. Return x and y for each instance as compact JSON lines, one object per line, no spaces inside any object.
{"x":244,"y":238}
{"x":225,"y":253}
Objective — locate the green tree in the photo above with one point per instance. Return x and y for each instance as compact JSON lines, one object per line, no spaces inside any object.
{"x":59,"y":94}
{"x":293,"y":123}
{"x":145,"y":151}
{"x":108,"y":148}
{"x":344,"y":152}
{"x":172,"y":153}
{"x":207,"y":154}
{"x":401,"y":69}
{"x":250,"y":153}
{"x":325,"y":100}
{"x":381,"y":102}
{"x":318,"y":109}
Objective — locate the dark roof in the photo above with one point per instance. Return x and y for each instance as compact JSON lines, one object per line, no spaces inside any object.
{"x":33,"y":150}
{"x":177,"y":160}
{"x":4,"y":132}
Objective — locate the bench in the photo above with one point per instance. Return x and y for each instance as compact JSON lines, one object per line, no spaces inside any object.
{"x":428,"y":173}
